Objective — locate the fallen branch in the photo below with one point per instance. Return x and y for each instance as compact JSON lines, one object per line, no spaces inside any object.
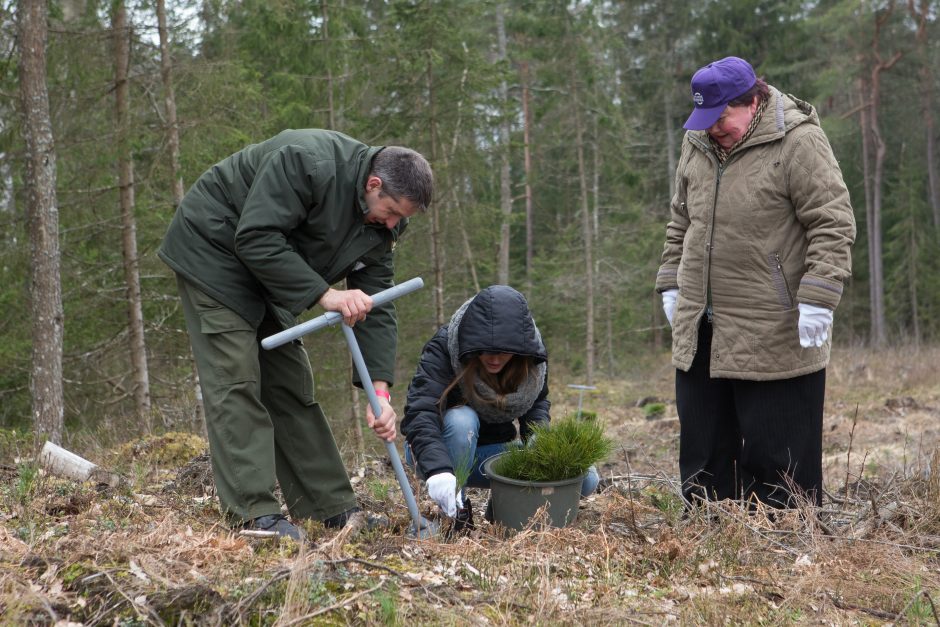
{"x":860,"y":608}
{"x":359,"y":560}
{"x":335,"y":606}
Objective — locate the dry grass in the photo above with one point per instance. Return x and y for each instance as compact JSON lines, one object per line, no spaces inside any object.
{"x":154,"y":552}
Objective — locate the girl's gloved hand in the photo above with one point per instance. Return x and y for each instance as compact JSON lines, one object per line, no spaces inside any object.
{"x":442,"y":487}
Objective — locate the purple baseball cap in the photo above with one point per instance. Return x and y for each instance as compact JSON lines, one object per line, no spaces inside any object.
{"x":714,"y":86}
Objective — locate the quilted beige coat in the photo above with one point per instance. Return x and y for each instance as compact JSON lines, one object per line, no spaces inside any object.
{"x":771,"y":228}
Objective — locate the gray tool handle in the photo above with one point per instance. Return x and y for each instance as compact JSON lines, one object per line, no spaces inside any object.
{"x":393,"y":456}
{"x":331,"y":317}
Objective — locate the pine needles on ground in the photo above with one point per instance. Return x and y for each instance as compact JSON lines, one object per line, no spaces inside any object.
{"x":562,"y":450}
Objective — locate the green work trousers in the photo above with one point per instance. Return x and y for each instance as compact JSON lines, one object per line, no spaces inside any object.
{"x":263,"y":423}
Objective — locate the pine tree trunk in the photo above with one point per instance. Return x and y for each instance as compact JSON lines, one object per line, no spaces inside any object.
{"x":464,"y":237}
{"x":527,"y":164}
{"x":864,"y":91}
{"x":670,"y":140}
{"x":329,"y":72}
{"x":596,"y":181}
{"x":932,"y":182}
{"x":505,"y":189}
{"x":875,"y":239}
{"x":912,"y":278}
{"x":875,"y":243}
{"x":173,"y":143}
{"x":658,"y":317}
{"x":437,"y":261}
{"x":921,"y":15}
{"x":137,"y":345}
{"x":588,"y":241}
{"x":45,"y":381}
{"x":453,"y":186}
{"x":169,"y":100}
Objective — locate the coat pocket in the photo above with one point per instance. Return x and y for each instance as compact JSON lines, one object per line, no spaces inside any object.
{"x":779,"y":277}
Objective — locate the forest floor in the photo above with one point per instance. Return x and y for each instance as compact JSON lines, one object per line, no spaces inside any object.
{"x":153,"y":551}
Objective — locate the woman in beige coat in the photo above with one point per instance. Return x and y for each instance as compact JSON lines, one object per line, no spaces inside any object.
{"x":756,"y":254}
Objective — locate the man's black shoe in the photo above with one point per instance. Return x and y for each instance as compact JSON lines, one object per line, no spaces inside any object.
{"x":340,"y":520}
{"x":373,"y":521}
{"x":272,"y":525}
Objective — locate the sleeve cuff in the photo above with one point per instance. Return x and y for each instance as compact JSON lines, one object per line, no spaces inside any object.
{"x":817,"y":290}
{"x":667,"y":279}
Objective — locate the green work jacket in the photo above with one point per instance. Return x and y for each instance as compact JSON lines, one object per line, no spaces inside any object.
{"x":274,"y":225}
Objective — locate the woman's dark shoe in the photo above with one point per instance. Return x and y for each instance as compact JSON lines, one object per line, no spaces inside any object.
{"x":273,"y":525}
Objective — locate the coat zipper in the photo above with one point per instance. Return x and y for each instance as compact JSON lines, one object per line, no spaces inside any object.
{"x":709,"y":310}
{"x":783,"y":278}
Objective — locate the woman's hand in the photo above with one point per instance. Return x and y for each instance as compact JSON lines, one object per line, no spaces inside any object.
{"x":669,"y":304}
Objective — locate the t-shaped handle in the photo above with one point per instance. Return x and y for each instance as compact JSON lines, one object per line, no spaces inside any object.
{"x":331,"y":317}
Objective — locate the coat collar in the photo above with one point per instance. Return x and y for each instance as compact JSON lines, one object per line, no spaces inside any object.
{"x":783,"y":113}
{"x":365,"y":167}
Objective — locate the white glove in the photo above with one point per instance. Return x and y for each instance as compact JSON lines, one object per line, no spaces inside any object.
{"x":669,"y":303}
{"x":442,"y":487}
{"x":814,"y":325}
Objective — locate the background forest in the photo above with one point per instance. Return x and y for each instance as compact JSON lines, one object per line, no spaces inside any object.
{"x":553,"y":128}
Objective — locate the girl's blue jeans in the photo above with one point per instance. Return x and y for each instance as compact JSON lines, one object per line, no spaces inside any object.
{"x":461,"y":432}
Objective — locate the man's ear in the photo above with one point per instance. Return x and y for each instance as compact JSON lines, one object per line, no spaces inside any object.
{"x":373,"y":182}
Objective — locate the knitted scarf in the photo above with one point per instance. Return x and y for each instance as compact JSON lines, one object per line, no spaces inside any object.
{"x":490,"y":406}
{"x":723,"y":154}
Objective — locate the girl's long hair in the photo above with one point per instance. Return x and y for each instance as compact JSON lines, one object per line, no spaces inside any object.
{"x":504,"y":382}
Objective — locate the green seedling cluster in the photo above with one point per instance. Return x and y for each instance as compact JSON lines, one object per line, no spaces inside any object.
{"x":654,"y":410}
{"x":561,"y":450}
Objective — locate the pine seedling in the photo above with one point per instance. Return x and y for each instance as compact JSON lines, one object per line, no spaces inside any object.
{"x":462,"y":469}
{"x":562,"y":450}
{"x":463,"y":519}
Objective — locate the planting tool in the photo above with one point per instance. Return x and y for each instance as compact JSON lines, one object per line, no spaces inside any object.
{"x":421,"y":527}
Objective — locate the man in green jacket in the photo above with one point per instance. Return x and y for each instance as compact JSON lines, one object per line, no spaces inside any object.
{"x":258,"y":239}
{"x":757,"y":250}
